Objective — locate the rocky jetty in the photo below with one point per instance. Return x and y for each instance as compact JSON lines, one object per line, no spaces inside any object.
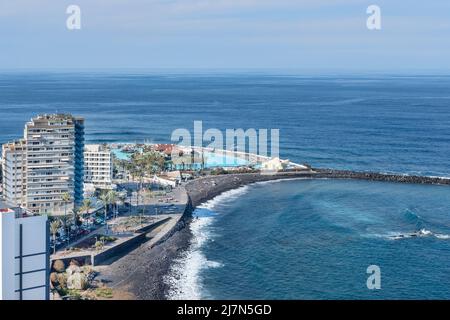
{"x":374,"y":176}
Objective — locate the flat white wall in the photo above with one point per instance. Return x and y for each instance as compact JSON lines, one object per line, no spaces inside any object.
{"x":7,"y":261}
{"x":34,"y":257}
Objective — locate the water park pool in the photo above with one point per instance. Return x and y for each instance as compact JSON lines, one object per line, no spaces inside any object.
{"x":212,"y":159}
{"x":121,"y":155}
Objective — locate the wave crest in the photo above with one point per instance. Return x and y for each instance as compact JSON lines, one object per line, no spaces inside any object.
{"x":184,"y":277}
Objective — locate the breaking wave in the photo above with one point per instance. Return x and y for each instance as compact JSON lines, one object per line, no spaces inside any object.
{"x":184,"y":278}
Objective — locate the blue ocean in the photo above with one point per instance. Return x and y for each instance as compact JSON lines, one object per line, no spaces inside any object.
{"x":299,"y":239}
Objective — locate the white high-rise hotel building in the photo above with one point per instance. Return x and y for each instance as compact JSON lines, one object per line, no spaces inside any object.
{"x":46,"y":164}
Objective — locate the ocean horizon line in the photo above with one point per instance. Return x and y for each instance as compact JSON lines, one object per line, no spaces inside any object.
{"x":301,"y":72}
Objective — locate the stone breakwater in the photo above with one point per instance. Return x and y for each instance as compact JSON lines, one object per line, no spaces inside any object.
{"x":206,"y":188}
{"x":374,"y":176}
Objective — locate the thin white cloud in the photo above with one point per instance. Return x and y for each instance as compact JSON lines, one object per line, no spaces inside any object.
{"x":161,"y":31}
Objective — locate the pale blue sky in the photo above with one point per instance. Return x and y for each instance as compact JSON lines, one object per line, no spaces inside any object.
{"x":226,"y":34}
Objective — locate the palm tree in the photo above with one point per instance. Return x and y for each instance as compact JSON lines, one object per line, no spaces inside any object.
{"x":153,"y":162}
{"x":113,"y":198}
{"x":87,"y":205}
{"x":140,"y":172}
{"x":142,"y":215}
{"x":104,"y":197}
{"x":75,"y":212}
{"x":135,"y":169}
{"x":54,"y":227}
{"x":122,"y":198}
{"x":192,"y":158}
{"x":66,"y":200}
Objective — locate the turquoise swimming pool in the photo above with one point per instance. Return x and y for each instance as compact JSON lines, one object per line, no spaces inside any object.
{"x":216,"y":160}
{"x":212,"y":160}
{"x":121,"y":155}
{"x":220,"y":160}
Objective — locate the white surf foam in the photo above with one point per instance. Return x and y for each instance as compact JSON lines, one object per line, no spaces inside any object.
{"x":282,"y":180}
{"x":442,"y":236}
{"x":422,"y":233}
{"x":226,"y":196}
{"x":184,"y":278}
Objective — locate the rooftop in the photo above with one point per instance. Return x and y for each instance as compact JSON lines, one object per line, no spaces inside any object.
{"x":97,"y":148}
{"x":57,"y":116}
{"x":4,"y":208}
{"x":19,"y":212}
{"x":12,"y":145}
{"x":43,"y":118}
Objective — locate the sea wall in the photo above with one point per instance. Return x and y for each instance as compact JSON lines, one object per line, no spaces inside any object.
{"x":100,"y":258}
{"x":181,"y":223}
{"x":206,"y":188}
{"x":150,"y":227}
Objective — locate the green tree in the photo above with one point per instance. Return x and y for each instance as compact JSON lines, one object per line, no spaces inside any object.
{"x":75,"y":217}
{"x":105,"y":198}
{"x":54,"y":227}
{"x":87,"y":206}
{"x":66,"y":199}
{"x":113,"y":199}
{"x":121,"y":199}
{"x":153,"y":162}
{"x":137,"y":170}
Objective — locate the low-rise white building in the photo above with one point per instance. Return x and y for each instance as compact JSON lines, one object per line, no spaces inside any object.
{"x":164,"y":181}
{"x":274,"y":165}
{"x":98,"y":166}
{"x":24,"y":259}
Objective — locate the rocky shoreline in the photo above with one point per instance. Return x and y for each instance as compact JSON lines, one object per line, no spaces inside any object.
{"x":141,"y":272}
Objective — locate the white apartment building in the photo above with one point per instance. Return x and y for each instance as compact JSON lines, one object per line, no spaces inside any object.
{"x":52,"y":165}
{"x":14,"y":179}
{"x":98,"y":166}
{"x":24,"y":256}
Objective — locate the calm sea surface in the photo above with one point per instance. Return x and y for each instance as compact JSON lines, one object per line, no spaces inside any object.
{"x":294,"y":239}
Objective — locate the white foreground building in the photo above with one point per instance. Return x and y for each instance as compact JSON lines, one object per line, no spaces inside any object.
{"x":24,"y":260}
